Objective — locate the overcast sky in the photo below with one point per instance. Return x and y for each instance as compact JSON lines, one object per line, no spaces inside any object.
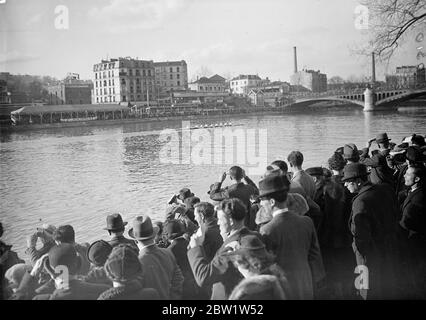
{"x":228,"y":37}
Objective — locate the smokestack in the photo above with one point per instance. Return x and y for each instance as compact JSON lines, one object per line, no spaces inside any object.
{"x":373,"y":69}
{"x":295,"y":59}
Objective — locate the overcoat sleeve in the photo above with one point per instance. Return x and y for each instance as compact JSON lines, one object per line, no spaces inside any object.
{"x":361,"y":228}
{"x":177,"y":284}
{"x":315,"y":258}
{"x":205,"y":272}
{"x":218,"y":194}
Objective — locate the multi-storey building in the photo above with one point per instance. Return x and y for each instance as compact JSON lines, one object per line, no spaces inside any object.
{"x":407,"y":76}
{"x":124,"y":80}
{"x":71,"y":90}
{"x":215,"y":83}
{"x":315,"y":81}
{"x":170,"y":76}
{"x":4,"y":93}
{"x":244,"y":83}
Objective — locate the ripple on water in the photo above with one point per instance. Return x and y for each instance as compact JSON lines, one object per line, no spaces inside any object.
{"x":78,"y":175}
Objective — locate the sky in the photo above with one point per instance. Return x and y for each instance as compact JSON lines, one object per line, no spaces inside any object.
{"x":226,"y":37}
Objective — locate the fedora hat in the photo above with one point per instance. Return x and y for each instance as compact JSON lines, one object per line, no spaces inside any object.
{"x":382,"y":137}
{"x":115,"y":222}
{"x":354,"y":170}
{"x":315,"y":171}
{"x":249,"y":244}
{"x":351,"y":152}
{"x":273,"y":183}
{"x":142,"y":228}
{"x":415,"y":154}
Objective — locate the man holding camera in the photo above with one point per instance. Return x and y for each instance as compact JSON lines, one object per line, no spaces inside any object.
{"x":239,"y":190}
{"x":45,"y":234}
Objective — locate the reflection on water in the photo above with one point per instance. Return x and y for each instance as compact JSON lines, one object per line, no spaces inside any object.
{"x":78,"y":175}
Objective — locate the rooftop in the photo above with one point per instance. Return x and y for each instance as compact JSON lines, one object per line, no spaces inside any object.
{"x":247,"y":76}
{"x":213,"y":79}
{"x":170,"y":63}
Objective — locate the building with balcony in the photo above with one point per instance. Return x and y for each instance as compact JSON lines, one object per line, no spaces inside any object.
{"x":314,"y":81}
{"x":170,"y":76}
{"x":71,"y":90}
{"x":124,"y":80}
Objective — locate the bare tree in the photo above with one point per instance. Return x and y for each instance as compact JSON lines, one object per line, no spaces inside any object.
{"x":336,"y":80}
{"x":203,"y":71}
{"x":390,"y":21}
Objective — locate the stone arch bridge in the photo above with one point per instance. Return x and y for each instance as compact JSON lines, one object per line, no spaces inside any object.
{"x":369,"y":99}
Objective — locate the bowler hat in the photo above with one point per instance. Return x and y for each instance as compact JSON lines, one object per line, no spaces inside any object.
{"x":273,"y":183}
{"x":98,"y":252}
{"x":315,"y":171}
{"x":142,"y":228}
{"x":350,"y":152}
{"x":64,"y":254}
{"x":382,"y":137}
{"x":123,"y":264}
{"x":354,"y":170}
{"x":185,"y":193}
{"x":115,"y":222}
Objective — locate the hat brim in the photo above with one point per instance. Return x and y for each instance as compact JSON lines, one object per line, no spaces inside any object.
{"x":155,"y":230}
{"x":124,"y":224}
{"x":261,"y":195}
{"x":356,"y":177}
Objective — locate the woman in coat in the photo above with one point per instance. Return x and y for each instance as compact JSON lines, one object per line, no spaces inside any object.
{"x":252,"y":260}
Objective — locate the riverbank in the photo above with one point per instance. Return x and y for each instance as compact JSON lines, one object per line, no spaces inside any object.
{"x":223,"y":115}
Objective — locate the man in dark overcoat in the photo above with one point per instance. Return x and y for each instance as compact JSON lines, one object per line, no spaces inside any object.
{"x":373,"y":225}
{"x":292,"y":238}
{"x":413,"y":223}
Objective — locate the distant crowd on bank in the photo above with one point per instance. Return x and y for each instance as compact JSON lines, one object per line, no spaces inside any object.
{"x":354,"y":230}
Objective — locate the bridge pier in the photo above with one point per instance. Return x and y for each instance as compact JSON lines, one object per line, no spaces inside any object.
{"x":369,"y":101}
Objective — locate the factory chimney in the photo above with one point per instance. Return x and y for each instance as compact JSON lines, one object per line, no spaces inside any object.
{"x":295,"y":59}
{"x":373,"y":69}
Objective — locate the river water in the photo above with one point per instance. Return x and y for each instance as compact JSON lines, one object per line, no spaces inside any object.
{"x":79,"y":175}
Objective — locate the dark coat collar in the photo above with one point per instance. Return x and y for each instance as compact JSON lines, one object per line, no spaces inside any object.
{"x":366,"y":187}
{"x":411,"y":195}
